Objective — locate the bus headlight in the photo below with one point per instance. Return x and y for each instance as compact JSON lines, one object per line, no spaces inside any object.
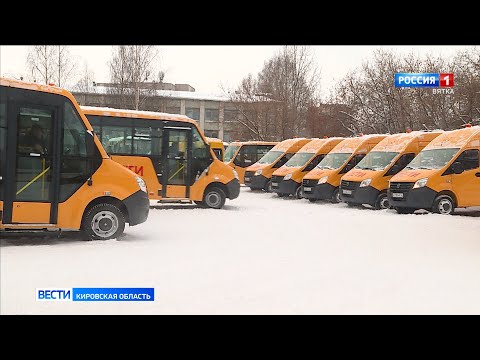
{"x":141,"y":183}
{"x":236,"y":175}
{"x":365,"y":182}
{"x":258,"y":172}
{"x":323,"y":180}
{"x":287,"y":177}
{"x":420,"y":183}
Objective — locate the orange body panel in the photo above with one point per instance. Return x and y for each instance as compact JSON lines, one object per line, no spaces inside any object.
{"x":289,"y":146}
{"x":353,"y":146}
{"x":240,"y":169}
{"x":110,"y":180}
{"x":412,"y":142}
{"x":465,"y":187}
{"x":218,"y":170}
{"x":315,"y":147}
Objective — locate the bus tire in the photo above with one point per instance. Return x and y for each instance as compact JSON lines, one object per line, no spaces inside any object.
{"x":336,"y":196}
{"x":382,"y":202}
{"x":214,"y":198}
{"x":299,"y":193}
{"x":103,"y":222}
{"x":444,"y":205}
{"x":268,"y":187}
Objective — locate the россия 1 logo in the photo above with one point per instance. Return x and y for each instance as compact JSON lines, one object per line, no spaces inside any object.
{"x":441,"y":83}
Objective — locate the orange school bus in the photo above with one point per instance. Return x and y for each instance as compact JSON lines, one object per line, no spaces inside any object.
{"x":258,"y":176}
{"x":322,"y":183}
{"x":169,"y":152}
{"x":443,"y":176}
{"x":54,"y":173}
{"x":287,"y":180}
{"x":367,"y":182}
{"x":240,"y":155}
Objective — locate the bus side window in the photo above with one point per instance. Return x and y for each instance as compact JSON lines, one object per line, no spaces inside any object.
{"x":469,"y":159}
{"x":201,"y":156}
{"x":282,"y":161}
{"x":77,"y":164}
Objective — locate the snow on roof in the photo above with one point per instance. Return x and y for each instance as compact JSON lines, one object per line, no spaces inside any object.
{"x":135,"y":112}
{"x":188,"y":95}
{"x":453,"y":138}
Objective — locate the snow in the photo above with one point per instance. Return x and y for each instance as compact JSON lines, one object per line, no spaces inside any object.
{"x":175,"y":94}
{"x":260,"y":255}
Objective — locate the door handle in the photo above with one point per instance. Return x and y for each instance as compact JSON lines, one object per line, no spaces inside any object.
{"x":477,"y":174}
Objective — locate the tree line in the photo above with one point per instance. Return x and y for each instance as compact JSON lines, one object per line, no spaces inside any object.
{"x":282,"y":100}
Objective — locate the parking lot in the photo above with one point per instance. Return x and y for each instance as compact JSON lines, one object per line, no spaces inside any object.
{"x":259,"y":255}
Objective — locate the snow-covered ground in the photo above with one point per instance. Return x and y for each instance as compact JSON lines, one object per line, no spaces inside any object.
{"x":260,"y":255}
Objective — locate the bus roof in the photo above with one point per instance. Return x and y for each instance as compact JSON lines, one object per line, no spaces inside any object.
{"x":316,"y":144}
{"x":253,"y":142}
{"x":455,"y":138}
{"x":151,"y":115}
{"x":350,"y":145}
{"x":398,"y":142}
{"x":37,"y":87}
{"x":291,"y":144}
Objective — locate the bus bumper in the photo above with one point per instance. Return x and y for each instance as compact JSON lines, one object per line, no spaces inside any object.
{"x":422,"y":198}
{"x":258,"y":182}
{"x":318,"y":192}
{"x":233,"y":189}
{"x":361,"y":195}
{"x":287,"y":187}
{"x":138,"y":206}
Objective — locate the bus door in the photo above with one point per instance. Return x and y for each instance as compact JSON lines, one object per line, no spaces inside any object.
{"x":31,"y":174}
{"x":177,"y":153}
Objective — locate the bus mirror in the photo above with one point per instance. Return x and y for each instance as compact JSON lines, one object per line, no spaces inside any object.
{"x":90,"y":144}
{"x":394,"y":170}
{"x":457,"y":167}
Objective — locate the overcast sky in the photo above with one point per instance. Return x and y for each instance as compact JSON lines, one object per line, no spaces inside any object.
{"x":207,"y":68}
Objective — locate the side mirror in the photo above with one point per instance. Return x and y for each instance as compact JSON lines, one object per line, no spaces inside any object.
{"x":90,"y":143}
{"x":394,"y":169}
{"x":457,"y":167}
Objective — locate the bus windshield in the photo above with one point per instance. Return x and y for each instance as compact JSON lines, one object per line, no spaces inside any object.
{"x":230,"y":152}
{"x":270,"y":157}
{"x":299,"y":159}
{"x":432,"y":159}
{"x":333,"y":161}
{"x":376,"y":160}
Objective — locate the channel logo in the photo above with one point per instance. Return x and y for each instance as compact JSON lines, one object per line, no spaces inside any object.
{"x":424,"y":80}
{"x":95,"y":294}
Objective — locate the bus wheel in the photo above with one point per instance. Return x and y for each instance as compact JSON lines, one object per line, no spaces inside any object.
{"x":444,"y":205}
{"x":268,"y":187}
{"x":336,"y":196}
{"x":299,"y":193}
{"x":214,"y":198}
{"x":103,"y":222}
{"x":382,"y":202}
{"x":404,"y":210}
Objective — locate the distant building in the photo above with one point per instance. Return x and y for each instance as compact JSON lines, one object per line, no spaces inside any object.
{"x":217,"y":115}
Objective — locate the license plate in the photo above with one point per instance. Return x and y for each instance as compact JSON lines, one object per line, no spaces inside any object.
{"x":247,"y":179}
{"x":307,"y":189}
{"x":274,"y":184}
{"x":348,"y":192}
{"x":397,"y":195}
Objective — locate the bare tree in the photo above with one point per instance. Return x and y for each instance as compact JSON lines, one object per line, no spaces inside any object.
{"x":132,"y":70}
{"x":41,"y":63}
{"x":85,"y":83}
{"x":276,"y":102}
{"x":64,"y":66}
{"x":51,"y":64}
